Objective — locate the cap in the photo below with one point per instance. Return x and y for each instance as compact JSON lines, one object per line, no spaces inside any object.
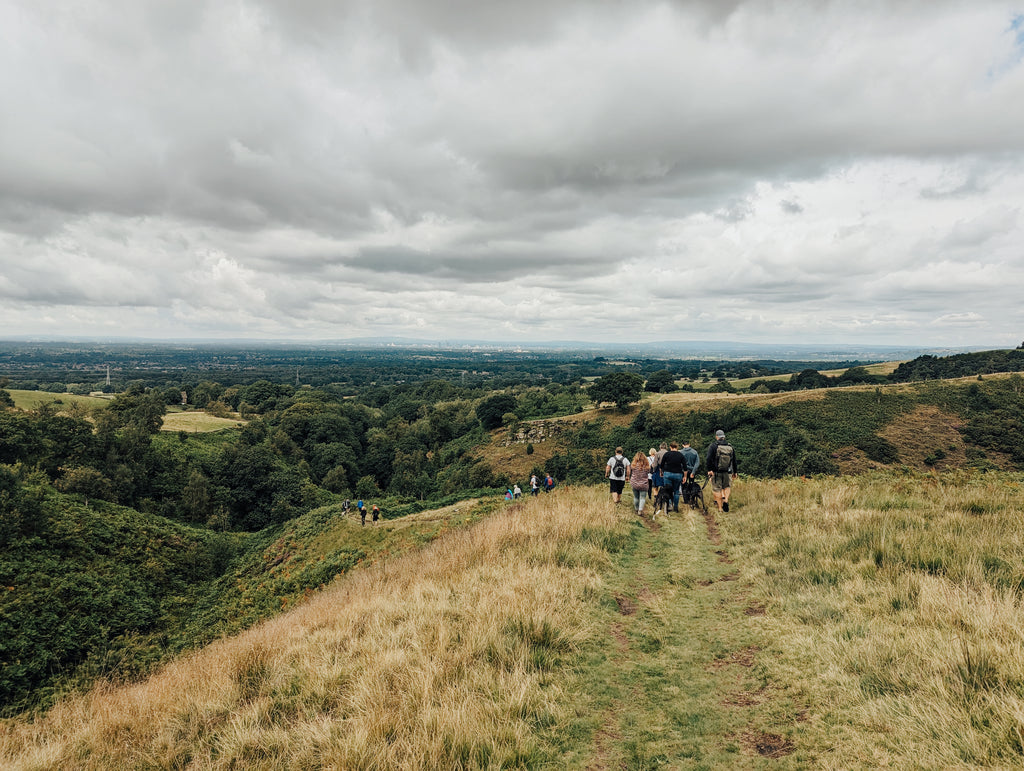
{"x":719,"y":434}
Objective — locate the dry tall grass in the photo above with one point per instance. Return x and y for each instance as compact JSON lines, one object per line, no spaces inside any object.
{"x":895,"y":604}
{"x":440,"y":659}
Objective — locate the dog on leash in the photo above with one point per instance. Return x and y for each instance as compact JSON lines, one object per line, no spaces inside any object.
{"x":663,"y":500}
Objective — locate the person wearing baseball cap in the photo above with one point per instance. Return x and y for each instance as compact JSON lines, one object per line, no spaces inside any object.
{"x":722,"y":469}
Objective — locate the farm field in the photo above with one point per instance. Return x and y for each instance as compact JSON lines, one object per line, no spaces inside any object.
{"x":194,"y":421}
{"x":31,"y":400}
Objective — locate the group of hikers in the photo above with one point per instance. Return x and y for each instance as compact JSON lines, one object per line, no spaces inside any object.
{"x":674,"y":468}
{"x":547,"y":484}
{"x":671,"y":469}
{"x":361,"y":508}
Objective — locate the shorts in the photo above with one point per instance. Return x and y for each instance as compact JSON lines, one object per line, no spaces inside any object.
{"x":722,"y":480}
{"x":617,"y":485}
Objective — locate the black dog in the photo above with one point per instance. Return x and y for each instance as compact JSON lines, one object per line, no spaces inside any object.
{"x":663,"y":500}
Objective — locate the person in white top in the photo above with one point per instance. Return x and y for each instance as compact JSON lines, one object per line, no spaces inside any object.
{"x":615,"y":471}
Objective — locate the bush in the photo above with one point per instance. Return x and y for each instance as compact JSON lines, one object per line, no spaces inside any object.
{"x":878,"y":449}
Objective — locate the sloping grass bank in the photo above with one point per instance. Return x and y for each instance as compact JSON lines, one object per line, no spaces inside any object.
{"x":445,"y":658}
{"x":894,"y":604}
{"x":850,"y":623}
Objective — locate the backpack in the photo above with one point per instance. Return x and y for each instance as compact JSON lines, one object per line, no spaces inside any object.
{"x":619,"y":469}
{"x":725,"y":457}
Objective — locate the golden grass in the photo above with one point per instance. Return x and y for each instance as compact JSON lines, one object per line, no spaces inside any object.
{"x":198,"y":422}
{"x":895,"y":605}
{"x":439,"y":659}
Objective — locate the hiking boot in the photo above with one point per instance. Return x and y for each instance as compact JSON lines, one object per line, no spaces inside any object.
{"x":725,"y":506}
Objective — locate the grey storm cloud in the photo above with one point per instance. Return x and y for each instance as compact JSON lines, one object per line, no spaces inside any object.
{"x":160,"y":163}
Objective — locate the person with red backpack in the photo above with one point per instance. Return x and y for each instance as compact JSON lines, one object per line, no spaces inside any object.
{"x":722,"y":469}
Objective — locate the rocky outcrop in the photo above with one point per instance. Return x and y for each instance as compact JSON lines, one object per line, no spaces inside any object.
{"x":534,"y":432}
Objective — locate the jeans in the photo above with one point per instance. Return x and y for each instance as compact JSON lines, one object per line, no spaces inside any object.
{"x":674,"y":479}
{"x":639,"y":499}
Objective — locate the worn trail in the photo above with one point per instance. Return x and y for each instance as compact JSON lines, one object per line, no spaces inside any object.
{"x":673,"y":680}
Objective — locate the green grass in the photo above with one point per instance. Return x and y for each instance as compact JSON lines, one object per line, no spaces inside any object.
{"x":672,"y":656}
{"x":31,"y":400}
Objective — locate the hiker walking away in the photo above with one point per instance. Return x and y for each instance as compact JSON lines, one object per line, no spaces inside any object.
{"x":516,"y":492}
{"x":549,"y":483}
{"x":615,"y":471}
{"x":376,"y":514}
{"x":673,"y":466}
{"x":534,"y":486}
{"x":362,"y":511}
{"x":345,"y":507}
{"x":722,"y":469}
{"x":639,"y":481}
{"x":692,"y":465}
{"x":652,"y":459}
{"x":658,"y":480}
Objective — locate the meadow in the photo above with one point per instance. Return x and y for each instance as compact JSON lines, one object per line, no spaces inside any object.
{"x":828,"y":622}
{"x":32,"y":400}
{"x":194,"y":421}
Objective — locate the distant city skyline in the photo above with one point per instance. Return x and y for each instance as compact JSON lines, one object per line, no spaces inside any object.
{"x":764,"y":172}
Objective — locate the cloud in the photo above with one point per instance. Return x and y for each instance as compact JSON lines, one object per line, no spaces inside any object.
{"x":256,"y":167}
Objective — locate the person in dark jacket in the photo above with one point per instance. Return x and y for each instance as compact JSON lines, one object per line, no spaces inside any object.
{"x":673,"y":469}
{"x":692,"y":465}
{"x":722,"y":469}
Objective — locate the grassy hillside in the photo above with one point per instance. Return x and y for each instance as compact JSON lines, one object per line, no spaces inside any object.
{"x":829,"y":623}
{"x":92,"y":589}
{"x":922,"y":426}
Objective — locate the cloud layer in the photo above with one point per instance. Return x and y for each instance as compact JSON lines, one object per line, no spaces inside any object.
{"x":762,"y":171}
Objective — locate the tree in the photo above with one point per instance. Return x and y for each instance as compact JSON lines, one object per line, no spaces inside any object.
{"x":86,"y":481}
{"x":622,"y":388}
{"x":491,"y":411}
{"x":661,"y":382}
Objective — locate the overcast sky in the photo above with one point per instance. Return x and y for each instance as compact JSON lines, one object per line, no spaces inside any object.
{"x":762,"y":170}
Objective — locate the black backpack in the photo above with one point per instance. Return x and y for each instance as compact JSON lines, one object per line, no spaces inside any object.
{"x":725,"y":457}
{"x":619,"y":468}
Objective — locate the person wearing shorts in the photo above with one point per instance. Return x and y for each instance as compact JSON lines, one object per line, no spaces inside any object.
{"x":616,"y":470}
{"x":721,"y":481}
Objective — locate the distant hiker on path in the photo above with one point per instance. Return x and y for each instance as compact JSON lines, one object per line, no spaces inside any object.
{"x":549,"y":483}
{"x":534,"y":486}
{"x":516,"y":491}
{"x":722,"y":469}
{"x":376,"y":514}
{"x":362,"y":511}
{"x":345,"y":507}
{"x":615,"y":471}
{"x":640,"y":481}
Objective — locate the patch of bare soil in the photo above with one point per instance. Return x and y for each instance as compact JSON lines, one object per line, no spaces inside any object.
{"x":767,"y":745}
{"x":756,"y":609}
{"x":605,"y":738}
{"x":650,"y":522}
{"x":744,"y":657}
{"x":745,"y":698}
{"x":626,"y":606}
{"x":714,"y":535}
